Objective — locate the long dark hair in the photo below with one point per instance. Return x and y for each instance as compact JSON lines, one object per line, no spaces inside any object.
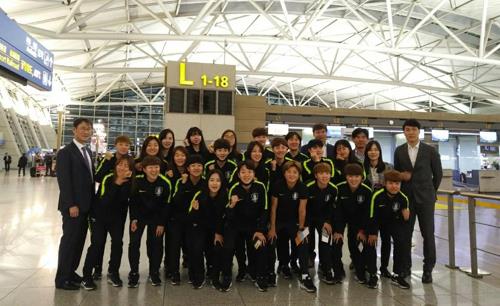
{"x":343,"y":142}
{"x":251,"y":145}
{"x":131,"y":166}
{"x":380,"y":162}
{"x":145,"y":145}
{"x":223,"y":186}
{"x":163,"y":135}
{"x":197,"y":131}
{"x":234,"y":148}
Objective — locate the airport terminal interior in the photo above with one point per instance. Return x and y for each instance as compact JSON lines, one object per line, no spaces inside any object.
{"x":293,"y":68}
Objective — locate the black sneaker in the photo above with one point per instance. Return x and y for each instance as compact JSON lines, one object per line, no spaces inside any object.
{"x":285,"y":271}
{"x":271,"y":280}
{"x":198,"y":284}
{"x":402,"y":283}
{"x":241,"y":276}
{"x":133,"y":280}
{"x":261,"y":283}
{"x":216,"y":284}
{"x":88,"y":284}
{"x":114,"y":279}
{"x":253,"y":277}
{"x":372,"y":282}
{"x":97,"y":275}
{"x":155,"y":279}
{"x":360,"y":278}
{"x":307,"y":284}
{"x":427,"y":277}
{"x":295,"y":267}
{"x":327,"y":278}
{"x":338,"y":278}
{"x":385,"y":273}
{"x":176,"y":279}
{"x":226,"y":284}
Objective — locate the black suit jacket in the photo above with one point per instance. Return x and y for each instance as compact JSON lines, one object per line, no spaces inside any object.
{"x":76,"y":185}
{"x":426,"y":174}
{"x":330,"y":151}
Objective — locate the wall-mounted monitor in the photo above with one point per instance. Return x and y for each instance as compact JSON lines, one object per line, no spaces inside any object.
{"x":487,"y":137}
{"x":334,"y":131}
{"x":440,"y":135}
{"x":277,"y":129}
{"x":421,"y":135}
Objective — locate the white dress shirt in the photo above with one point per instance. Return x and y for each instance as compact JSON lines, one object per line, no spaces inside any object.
{"x":412,"y":153}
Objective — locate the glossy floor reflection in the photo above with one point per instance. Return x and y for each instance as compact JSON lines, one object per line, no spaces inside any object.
{"x":30,"y":228}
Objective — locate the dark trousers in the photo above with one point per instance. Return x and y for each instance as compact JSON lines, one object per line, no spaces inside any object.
{"x":199,"y":247}
{"x":400,"y":233}
{"x":385,"y":245}
{"x":71,"y":246}
{"x":425,"y":214}
{"x":99,"y":257}
{"x":256,"y":257}
{"x":286,"y":238}
{"x":365,"y":260}
{"x":241,"y":255}
{"x":7,"y":167}
{"x":177,"y":231}
{"x":99,"y":233}
{"x":330,"y":256}
{"x":21,"y":169}
{"x":154,"y":246}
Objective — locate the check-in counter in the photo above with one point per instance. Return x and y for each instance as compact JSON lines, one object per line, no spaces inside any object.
{"x":489,"y":181}
{"x":447,"y":180}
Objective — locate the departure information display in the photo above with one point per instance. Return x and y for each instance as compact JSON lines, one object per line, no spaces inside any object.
{"x":23,"y":56}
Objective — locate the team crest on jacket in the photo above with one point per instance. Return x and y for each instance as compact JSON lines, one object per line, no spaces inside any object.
{"x":395,"y":206}
{"x":158,"y":191}
{"x":254,"y":197}
{"x":360,"y":198}
{"x":328,"y":197}
{"x":295,"y":196}
{"x":228,"y":175}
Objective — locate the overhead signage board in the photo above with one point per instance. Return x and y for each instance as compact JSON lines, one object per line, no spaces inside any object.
{"x":200,"y":76}
{"x":24,"y":57}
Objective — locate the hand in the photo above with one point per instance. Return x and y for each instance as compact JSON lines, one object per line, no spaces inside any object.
{"x":211,"y":167}
{"x":361,"y":237}
{"x":337,"y":237}
{"x":170,"y":173}
{"x":186,"y":142}
{"x":210,"y":148}
{"x":159,"y":230}
{"x":372,"y":240}
{"x":406,"y":176}
{"x":273,"y":165}
{"x":260,"y":237}
{"x":271,"y":235}
{"x":184,"y":178}
{"x":195,"y":205}
{"x":234,"y":200}
{"x":108,"y":155}
{"x":406,"y":214}
{"x":74,"y":211}
{"x":133,"y":226}
{"x":328,"y":228}
{"x":218,"y":239}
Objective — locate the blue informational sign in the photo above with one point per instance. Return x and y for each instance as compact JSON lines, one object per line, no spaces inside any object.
{"x":23,"y":55}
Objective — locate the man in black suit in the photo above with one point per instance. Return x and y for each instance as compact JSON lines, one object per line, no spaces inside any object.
{"x":75,"y":177}
{"x":319,"y":132}
{"x":420,"y":165}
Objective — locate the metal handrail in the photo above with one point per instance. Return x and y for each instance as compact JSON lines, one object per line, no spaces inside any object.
{"x":480,"y":196}
{"x":451,"y":226}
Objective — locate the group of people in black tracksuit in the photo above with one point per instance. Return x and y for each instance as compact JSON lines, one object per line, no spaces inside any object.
{"x":277,"y":203}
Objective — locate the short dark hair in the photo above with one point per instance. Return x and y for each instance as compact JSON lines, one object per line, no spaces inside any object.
{"x":292,"y":134}
{"x":315,"y":143}
{"x":222,"y":143}
{"x":392,"y":176}
{"x":194,"y":159}
{"x":411,"y":122}
{"x":249,"y":164}
{"x":291,"y":164}
{"x":122,"y":139}
{"x":319,"y":126}
{"x":81,"y":120}
{"x":150,"y":161}
{"x":322,"y":167}
{"x":259,"y":131}
{"x":358,"y":131}
{"x":353,"y":169}
{"x":278,"y":141}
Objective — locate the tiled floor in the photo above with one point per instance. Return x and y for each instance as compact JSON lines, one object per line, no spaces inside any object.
{"x":30,"y":229}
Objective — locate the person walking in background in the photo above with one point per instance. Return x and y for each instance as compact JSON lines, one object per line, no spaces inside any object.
{"x":75,"y":177}
{"x":7,"y":159}
{"x":21,"y":165}
{"x":421,"y":169}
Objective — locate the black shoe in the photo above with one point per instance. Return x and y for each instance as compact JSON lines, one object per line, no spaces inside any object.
{"x":114,"y":279}
{"x":295,"y":267}
{"x":338,"y":278}
{"x":372,"y":282}
{"x":241,"y":276}
{"x":216,"y":284}
{"x":77,"y":279}
{"x":307,"y":284}
{"x":271,"y":280}
{"x":427,"y":277}
{"x":155,"y":279}
{"x":68,"y":286}
{"x":360,"y":278}
{"x":402,"y":283}
{"x":176,"y":279}
{"x":226,"y":284}
{"x":385,"y":273}
{"x":287,"y":274}
{"x":198,"y":284}
{"x":97,"y":275}
{"x":88,"y":284}
{"x":327,"y":278}
{"x":133,"y":280}
{"x":261,"y":283}
{"x":351,"y":266}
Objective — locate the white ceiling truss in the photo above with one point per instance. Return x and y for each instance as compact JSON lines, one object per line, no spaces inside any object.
{"x":427,"y":55}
